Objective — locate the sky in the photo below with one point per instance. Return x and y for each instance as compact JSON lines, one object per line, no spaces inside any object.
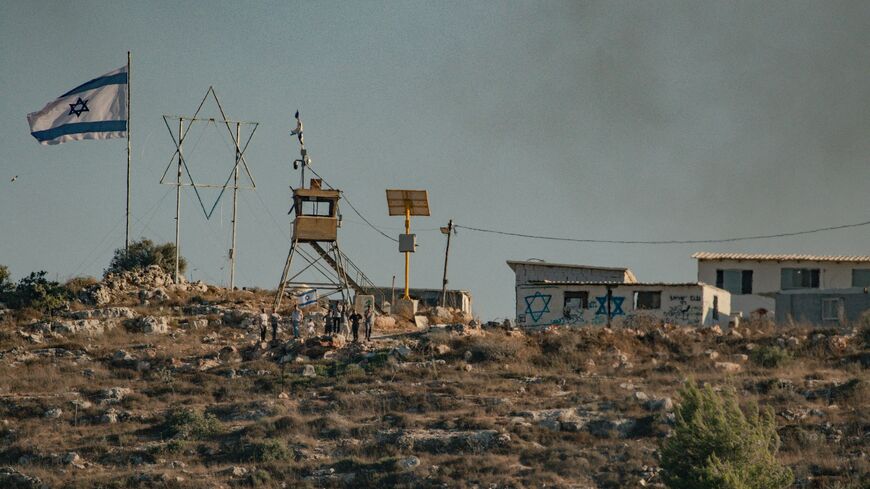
{"x":604,"y":120}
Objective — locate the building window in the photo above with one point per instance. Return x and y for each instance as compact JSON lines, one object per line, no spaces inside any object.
{"x":861,"y":277}
{"x":737,"y":282}
{"x":832,"y":309}
{"x":799,"y":278}
{"x":647,"y":300}
{"x":576,"y":301}
{"x":715,"y":307}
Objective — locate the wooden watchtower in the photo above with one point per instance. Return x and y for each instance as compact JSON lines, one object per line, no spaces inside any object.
{"x":316,"y":224}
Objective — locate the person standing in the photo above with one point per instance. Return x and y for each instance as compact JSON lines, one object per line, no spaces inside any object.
{"x":263,"y":321}
{"x":342,"y":320}
{"x":370,"y":321}
{"x":295,"y":319}
{"x":355,"y":318}
{"x":336,"y":319}
{"x":275,"y":319}
{"x":328,"y":321}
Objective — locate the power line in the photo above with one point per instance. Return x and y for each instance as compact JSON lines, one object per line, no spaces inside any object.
{"x":669,"y":241}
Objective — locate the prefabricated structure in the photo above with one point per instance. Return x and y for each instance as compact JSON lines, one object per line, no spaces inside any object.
{"x":823,"y":307}
{"x":456,"y":299}
{"x":535,"y":271}
{"x":754,"y":279}
{"x":547,"y":303}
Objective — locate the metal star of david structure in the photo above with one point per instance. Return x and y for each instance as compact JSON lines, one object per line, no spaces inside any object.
{"x":537,"y":312}
{"x":78,"y":107}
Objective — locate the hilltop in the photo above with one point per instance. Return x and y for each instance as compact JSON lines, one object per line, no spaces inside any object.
{"x":139,"y":382}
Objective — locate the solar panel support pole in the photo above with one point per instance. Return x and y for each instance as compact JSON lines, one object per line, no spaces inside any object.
{"x":407,"y":295}
{"x":178,"y":197}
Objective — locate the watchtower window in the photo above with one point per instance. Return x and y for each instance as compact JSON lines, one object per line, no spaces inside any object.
{"x":317,"y":208}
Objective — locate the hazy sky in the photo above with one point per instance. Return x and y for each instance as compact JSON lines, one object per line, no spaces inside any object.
{"x":608,"y":120}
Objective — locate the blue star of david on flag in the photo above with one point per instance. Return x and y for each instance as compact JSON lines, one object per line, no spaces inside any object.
{"x":616,"y":302}
{"x":538,"y":311}
{"x":78,"y":107}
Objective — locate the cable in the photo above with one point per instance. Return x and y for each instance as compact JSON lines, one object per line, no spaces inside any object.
{"x":667,"y":242}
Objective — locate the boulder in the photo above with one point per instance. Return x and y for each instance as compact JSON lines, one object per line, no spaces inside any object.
{"x":308,"y":371}
{"x":728,"y":367}
{"x":11,"y":478}
{"x":150,"y":325}
{"x":114,"y":395}
{"x":53,"y":413}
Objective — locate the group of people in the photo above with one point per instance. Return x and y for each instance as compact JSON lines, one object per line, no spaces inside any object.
{"x":340,"y":319}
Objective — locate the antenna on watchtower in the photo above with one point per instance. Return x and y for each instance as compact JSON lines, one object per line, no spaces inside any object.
{"x":304,"y":160}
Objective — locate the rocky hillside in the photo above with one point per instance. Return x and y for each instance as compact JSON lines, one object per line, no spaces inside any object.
{"x":141,"y":383}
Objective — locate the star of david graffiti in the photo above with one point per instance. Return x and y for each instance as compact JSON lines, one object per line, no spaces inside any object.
{"x":537,"y":312}
{"x":616,"y":302}
{"x":78,"y":107}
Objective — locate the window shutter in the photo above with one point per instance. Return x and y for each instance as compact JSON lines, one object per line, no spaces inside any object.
{"x":720,"y":278}
{"x":747,"y":282}
{"x":814,"y":278}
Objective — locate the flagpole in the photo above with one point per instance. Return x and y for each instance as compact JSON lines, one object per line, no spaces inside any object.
{"x":127,"y":233}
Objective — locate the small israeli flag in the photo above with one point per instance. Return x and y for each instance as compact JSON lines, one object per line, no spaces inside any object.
{"x":93,"y":110}
{"x":307,"y":297}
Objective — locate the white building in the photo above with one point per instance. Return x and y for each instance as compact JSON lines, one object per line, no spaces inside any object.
{"x":754,"y":279}
{"x":558,"y":294}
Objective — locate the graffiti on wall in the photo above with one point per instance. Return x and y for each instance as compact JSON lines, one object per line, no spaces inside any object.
{"x":686,"y":310}
{"x":537,"y":305}
{"x":615,"y":306}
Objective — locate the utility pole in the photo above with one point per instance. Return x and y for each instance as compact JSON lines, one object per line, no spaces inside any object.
{"x":178,"y":195}
{"x":448,"y":231}
{"x":235,"y":209}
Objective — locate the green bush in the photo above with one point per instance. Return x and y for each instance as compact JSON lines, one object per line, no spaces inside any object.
{"x":186,"y":424}
{"x":770,"y":356}
{"x":143,"y":254}
{"x":37,"y":292}
{"x":269,"y":450}
{"x":715,"y":446}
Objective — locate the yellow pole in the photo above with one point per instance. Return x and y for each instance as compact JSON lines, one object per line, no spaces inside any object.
{"x":407,"y":254}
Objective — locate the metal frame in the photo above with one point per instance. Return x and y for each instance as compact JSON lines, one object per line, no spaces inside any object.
{"x":178,"y":158}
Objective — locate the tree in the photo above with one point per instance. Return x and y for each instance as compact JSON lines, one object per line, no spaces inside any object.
{"x":37,"y":292}
{"x":144,"y":253}
{"x":716,"y":446}
{"x":6,"y":287}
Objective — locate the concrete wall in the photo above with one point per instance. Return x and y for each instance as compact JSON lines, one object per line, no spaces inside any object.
{"x":459,"y":299}
{"x":766,"y":278}
{"x":534,"y":272}
{"x":544,"y":305}
{"x":807,"y":306}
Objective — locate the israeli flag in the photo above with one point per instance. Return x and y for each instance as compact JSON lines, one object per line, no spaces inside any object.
{"x":93,"y":110}
{"x":307,"y":297}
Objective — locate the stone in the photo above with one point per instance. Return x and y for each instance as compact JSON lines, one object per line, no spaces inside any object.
{"x":442,"y":349}
{"x":663,"y":404}
{"x":235,"y":471}
{"x":308,"y":371}
{"x":641,"y":396}
{"x":711,"y":354}
{"x":467,"y":355}
{"x":408,"y":464}
{"x":123,"y":356}
{"x":468,"y":367}
{"x":12,"y":478}
{"x":109,"y":417}
{"x":740,"y":357}
{"x":114,"y":395}
{"x":728,"y":367}
{"x":716,"y":330}
{"x":401,"y":351}
{"x":150,"y":325}
{"x":53,"y":413}
{"x":72,"y":458}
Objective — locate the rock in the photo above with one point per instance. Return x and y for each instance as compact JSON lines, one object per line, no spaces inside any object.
{"x":123,"y":356}
{"x":716,"y":330}
{"x":114,"y":395}
{"x":53,"y":413}
{"x":467,"y":367}
{"x":408,"y":464}
{"x":740,"y":357}
{"x":641,"y":396}
{"x":105,"y":313}
{"x":72,"y":458}
{"x":98,"y":294}
{"x":283,"y":395}
{"x":467,"y":355}
{"x":442,"y":349}
{"x":711,"y":354}
{"x":13,"y":479}
{"x":401,"y":351}
{"x":663,"y":404}
{"x":728,"y":367}
{"x":160,"y":294}
{"x":150,"y":325}
{"x":235,"y":471}
{"x":109,"y":417}
{"x":309,"y":371}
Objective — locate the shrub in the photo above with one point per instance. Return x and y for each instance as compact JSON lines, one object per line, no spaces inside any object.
{"x":714,"y":445}
{"x":770,"y":356}
{"x":185,"y":424}
{"x":37,"y":292}
{"x":269,"y":450}
{"x":143,"y":254}
{"x":5,"y":285}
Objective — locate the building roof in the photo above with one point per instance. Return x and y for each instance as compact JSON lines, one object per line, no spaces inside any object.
{"x":514,"y":263}
{"x":618,"y":284}
{"x":844,"y":291}
{"x":780,"y":257}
